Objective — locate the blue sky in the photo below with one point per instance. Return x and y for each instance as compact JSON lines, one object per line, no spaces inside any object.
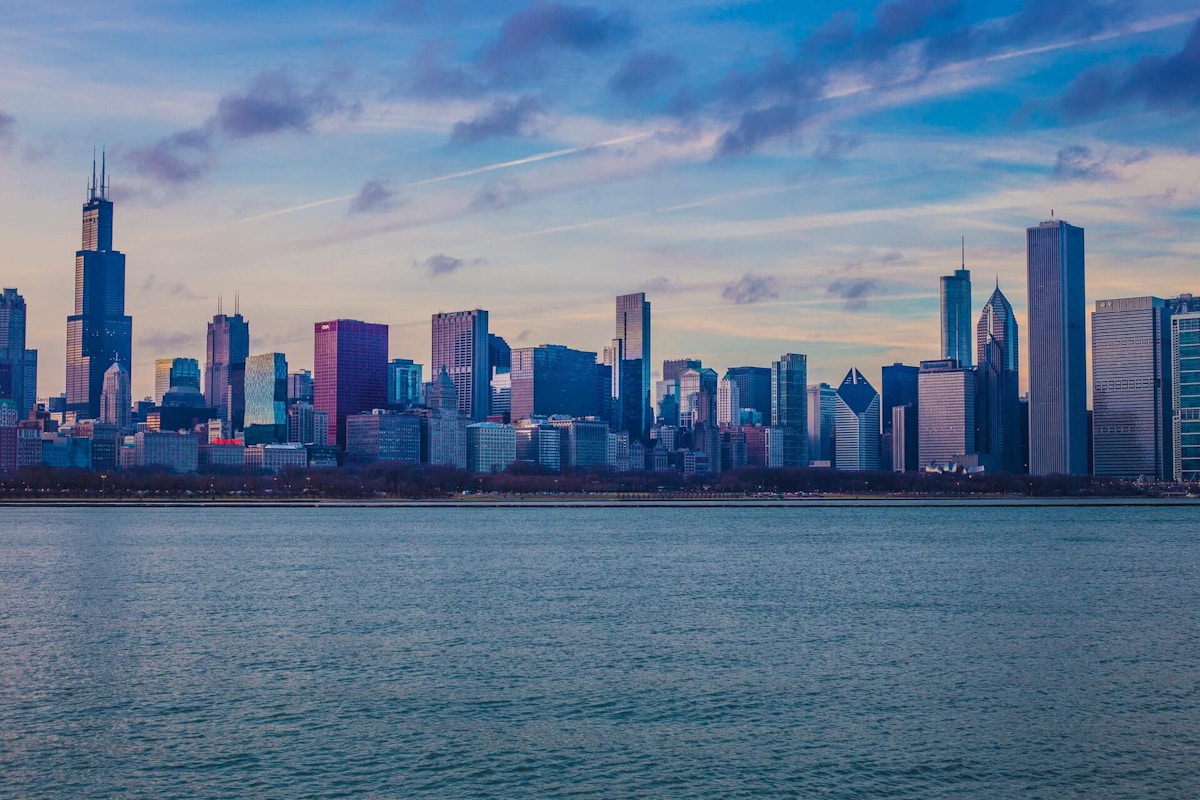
{"x":777,"y":179}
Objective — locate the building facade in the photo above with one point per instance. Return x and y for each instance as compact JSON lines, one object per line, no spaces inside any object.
{"x":789,"y":406}
{"x":116,"y":401}
{"x":491,"y":446}
{"x":822,"y":421}
{"x":1185,"y":395}
{"x":349,"y":371}
{"x":18,"y":365}
{"x":946,"y":430}
{"x":552,"y":379}
{"x":998,"y":390}
{"x":899,"y":389}
{"x":956,"y":315}
{"x":857,"y":424}
{"x":381,"y":435}
{"x":405,"y":383}
{"x":266,"y":393}
{"x":226,"y":349}
{"x":754,"y":388}
{"x":461,"y":345}
{"x":172,"y":372}
{"x":631,"y":373}
{"x":1058,"y":426}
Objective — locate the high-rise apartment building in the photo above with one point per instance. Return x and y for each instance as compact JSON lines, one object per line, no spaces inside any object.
{"x":946,"y":427}
{"x":729,"y":402}
{"x":552,"y":379}
{"x":1185,"y":395}
{"x":226,"y":349}
{"x":632,"y":374}
{"x":1058,"y":427}
{"x":99,"y":333}
{"x":956,"y":315}
{"x":789,"y":406}
{"x":998,"y":391}
{"x":172,"y":372}
{"x":461,"y":345}
{"x":18,"y":366}
{"x":857,"y":425}
{"x":698,"y":397}
{"x":349,"y":371}
{"x":300,"y":387}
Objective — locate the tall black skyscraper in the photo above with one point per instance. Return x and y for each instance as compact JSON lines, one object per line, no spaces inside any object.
{"x":225,"y":365}
{"x":99,"y":334}
{"x":631,"y":348}
{"x":18,"y":366}
{"x":997,"y":394}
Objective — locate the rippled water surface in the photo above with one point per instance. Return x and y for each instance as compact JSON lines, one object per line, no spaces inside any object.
{"x":604,"y":652}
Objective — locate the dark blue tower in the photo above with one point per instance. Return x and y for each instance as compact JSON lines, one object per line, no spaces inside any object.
{"x":99,"y":334}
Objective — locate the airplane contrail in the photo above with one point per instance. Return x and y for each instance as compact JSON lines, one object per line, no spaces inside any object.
{"x":568,"y":151}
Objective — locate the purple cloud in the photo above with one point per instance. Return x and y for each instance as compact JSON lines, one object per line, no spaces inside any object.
{"x":504,"y":118}
{"x":542,"y":27}
{"x":644,"y":73}
{"x":751,"y":288}
{"x":1075,"y":163}
{"x":375,"y":195}
{"x":854,"y":291}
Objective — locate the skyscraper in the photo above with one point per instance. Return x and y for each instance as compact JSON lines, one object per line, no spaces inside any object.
{"x":18,"y":366}
{"x":998,"y":391}
{"x":1058,"y":427}
{"x":956,"y":314}
{"x":99,"y":334}
{"x":946,"y":427}
{"x":1185,"y":395}
{"x":633,"y":373}
{"x":822,"y":420}
{"x":899,"y":389}
{"x":266,"y":386}
{"x":116,"y":402}
{"x":228,"y":346}
{"x":349,"y":371}
{"x":405,"y":379}
{"x":1131,"y":388}
{"x":729,"y":402}
{"x":754,"y":388}
{"x":857,"y":426}
{"x":553,"y":379}
{"x":461,"y":345}
{"x":789,"y":406}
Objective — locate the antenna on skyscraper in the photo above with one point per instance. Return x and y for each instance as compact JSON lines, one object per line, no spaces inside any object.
{"x":103,"y":172}
{"x":92,"y":185}
{"x":218,"y":304}
{"x":964,"y":252}
{"x":237,"y":303}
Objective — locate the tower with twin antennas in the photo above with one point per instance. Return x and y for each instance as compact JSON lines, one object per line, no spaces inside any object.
{"x":99,"y":333}
{"x":228,"y":346}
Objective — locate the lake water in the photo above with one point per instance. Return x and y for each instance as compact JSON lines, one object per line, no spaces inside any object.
{"x":601,"y":652}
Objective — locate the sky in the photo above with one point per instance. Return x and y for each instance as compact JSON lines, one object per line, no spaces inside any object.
{"x":776,"y":176}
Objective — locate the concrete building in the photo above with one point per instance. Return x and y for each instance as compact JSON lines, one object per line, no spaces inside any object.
{"x":946,"y":430}
{"x":116,"y":403}
{"x":585,"y":442}
{"x":176,"y":452}
{"x":491,"y":447}
{"x":905,"y":425}
{"x":729,"y":402}
{"x":382,"y":435}
{"x":539,"y":443}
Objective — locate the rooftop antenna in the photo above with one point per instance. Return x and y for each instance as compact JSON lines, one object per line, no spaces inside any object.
{"x":237,"y":303}
{"x":964,"y":252}
{"x":1052,"y":214}
{"x":218,"y":304}
{"x":92,"y":185}
{"x":103,"y":172}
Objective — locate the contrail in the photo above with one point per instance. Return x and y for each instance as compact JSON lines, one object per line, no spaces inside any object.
{"x":569,"y":151}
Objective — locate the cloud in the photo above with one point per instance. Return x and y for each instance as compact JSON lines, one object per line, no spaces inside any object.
{"x":496,"y":195}
{"x":658,"y":285}
{"x":542,"y":27}
{"x":504,"y":118}
{"x":440,"y":264}
{"x":1075,"y":163}
{"x":835,"y":146}
{"x":166,"y":341}
{"x":178,"y":289}
{"x":762,"y":125}
{"x":1155,"y":82}
{"x":854,"y":291}
{"x":643,"y":73}
{"x":273,"y":103}
{"x":375,"y":195}
{"x":524,"y":335}
{"x":751,"y":288}
{"x":8,"y":129}
{"x":428,"y":77}
{"x":174,"y":160}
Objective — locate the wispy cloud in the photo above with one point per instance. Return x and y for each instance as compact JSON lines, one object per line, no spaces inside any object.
{"x":503,"y":118}
{"x":375,"y":195}
{"x":751,"y":288}
{"x":1075,"y":163}
{"x":542,"y":28}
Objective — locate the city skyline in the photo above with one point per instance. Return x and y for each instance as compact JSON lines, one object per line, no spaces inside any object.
{"x":718,"y":221}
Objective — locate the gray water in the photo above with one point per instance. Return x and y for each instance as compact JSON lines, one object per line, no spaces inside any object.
{"x":609,"y":652}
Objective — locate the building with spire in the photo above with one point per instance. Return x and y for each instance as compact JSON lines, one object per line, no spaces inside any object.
{"x":18,"y":366}
{"x":116,"y":400}
{"x":998,"y":390}
{"x":99,"y":333}
{"x":228,"y":347}
{"x":956,"y":313}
